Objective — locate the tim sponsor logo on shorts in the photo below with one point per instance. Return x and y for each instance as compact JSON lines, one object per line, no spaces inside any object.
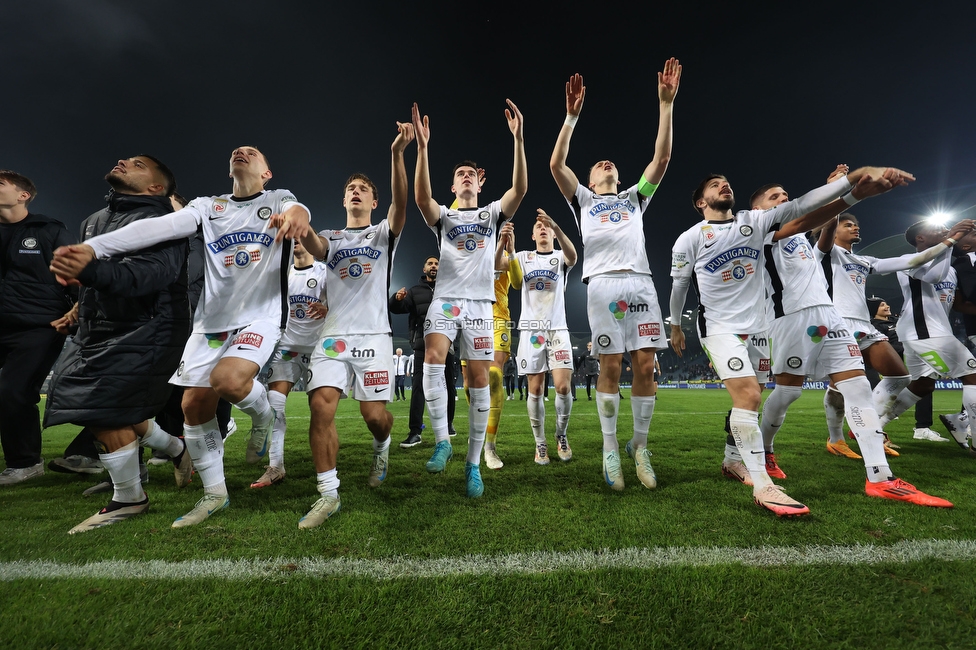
{"x":248,"y":338}
{"x":377,"y":378}
{"x":817,"y":333}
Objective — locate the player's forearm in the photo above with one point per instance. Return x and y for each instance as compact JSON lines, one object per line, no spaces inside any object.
{"x":826,"y":240}
{"x":315,"y":245}
{"x":515,"y":273}
{"x":654,"y":172}
{"x":566,"y":245}
{"x":421,"y":188}
{"x":145,"y":233}
{"x":679,"y":291}
{"x":905,"y":262}
{"x":561,"y":173}
{"x":520,"y":181}
{"x":399,"y":190}
{"x":823,"y":195}
{"x":937,"y":269}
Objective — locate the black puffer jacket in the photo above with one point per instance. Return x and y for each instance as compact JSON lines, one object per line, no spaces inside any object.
{"x":29,"y":295}
{"x":134,"y":319}
{"x":415,"y":305}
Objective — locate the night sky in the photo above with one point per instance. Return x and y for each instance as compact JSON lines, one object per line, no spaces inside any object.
{"x":778,"y":95}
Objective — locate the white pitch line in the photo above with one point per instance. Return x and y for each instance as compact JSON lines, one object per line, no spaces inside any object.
{"x":482,"y":565}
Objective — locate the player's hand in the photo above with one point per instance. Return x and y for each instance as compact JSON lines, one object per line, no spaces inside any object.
{"x":70,"y":319}
{"x":507,"y":235}
{"x":404,"y":137}
{"x":545,"y":219}
{"x":421,"y":127}
{"x":317,"y":310}
{"x":575,"y":94}
{"x":667,"y":81}
{"x":514,"y":117}
{"x":69,"y":261}
{"x":292,"y":224}
{"x":401,"y":294}
{"x":841,"y":170}
{"x":481,"y":177}
{"x":962,"y":229}
{"x":868,"y":186}
{"x":677,"y":340}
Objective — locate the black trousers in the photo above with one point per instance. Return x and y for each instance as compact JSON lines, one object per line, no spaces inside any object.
{"x":417,"y":401}
{"x":398,"y":389}
{"x":26,"y":356}
{"x":510,"y":384}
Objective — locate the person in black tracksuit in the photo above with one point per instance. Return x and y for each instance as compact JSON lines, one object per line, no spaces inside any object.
{"x":30,"y":299}
{"x":414,"y":302}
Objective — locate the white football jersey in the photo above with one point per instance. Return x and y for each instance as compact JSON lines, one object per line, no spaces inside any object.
{"x":305,"y":286}
{"x":612,"y":229}
{"x":359,"y":263}
{"x":928,"y":292}
{"x":543,"y":290}
{"x":245,"y":272}
{"x":467,"y":238}
{"x":793,"y":277}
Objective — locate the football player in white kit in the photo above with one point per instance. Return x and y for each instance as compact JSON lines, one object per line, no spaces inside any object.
{"x":306,"y":309}
{"x":241,"y":312}
{"x":808,"y":337}
{"x":354,"y":354}
{"x":621,"y":301}
{"x":846,"y":273}
{"x":724,"y":256}
{"x":544,"y":343}
{"x":462,"y":302}
{"x":929,"y":292}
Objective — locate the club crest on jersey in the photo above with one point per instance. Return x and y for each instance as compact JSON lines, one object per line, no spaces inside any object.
{"x":541,"y":279}
{"x":738,"y":271}
{"x":603,"y":341}
{"x":794,"y":362}
{"x":219,"y":205}
{"x":355,"y":270}
{"x":312,"y":283}
{"x":483,"y":215}
{"x":29,"y":242}
{"x":735,"y":364}
{"x":242,"y":257}
{"x":299,"y":304}
{"x":745,"y":231}
{"x":470,"y":244}
{"x":264,"y":213}
{"x":613,"y":211}
{"x":614,"y":217}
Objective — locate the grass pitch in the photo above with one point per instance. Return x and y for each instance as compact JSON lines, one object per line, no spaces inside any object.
{"x":549,"y":557}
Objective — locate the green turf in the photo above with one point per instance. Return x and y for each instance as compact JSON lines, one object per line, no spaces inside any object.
{"x":526,"y":508}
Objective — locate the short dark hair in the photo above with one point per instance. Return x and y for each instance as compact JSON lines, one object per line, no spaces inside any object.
{"x":22,"y":183}
{"x":700,"y":190}
{"x":758,"y":194}
{"x":170,"y":180}
{"x":847,"y":216}
{"x":431,"y":257}
{"x":363,"y":177}
{"x":913,"y":231}
{"x":464,"y":163}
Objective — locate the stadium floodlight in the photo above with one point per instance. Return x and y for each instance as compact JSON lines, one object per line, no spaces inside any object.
{"x":939,"y":218}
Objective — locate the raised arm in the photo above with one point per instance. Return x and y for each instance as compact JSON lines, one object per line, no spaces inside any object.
{"x":565,"y":244}
{"x":520,"y":179}
{"x":421,"y":180}
{"x":397,"y":215}
{"x":667,"y":88}
{"x":316,"y":245}
{"x":502,"y":259}
{"x":913,"y":260}
{"x":825,"y":241}
{"x":565,"y":178}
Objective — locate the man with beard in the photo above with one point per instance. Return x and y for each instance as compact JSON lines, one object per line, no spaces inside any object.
{"x":133,"y":318}
{"x":415,"y":302}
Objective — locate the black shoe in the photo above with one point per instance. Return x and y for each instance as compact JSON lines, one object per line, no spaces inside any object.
{"x":412,"y":441}
{"x":451,"y":432}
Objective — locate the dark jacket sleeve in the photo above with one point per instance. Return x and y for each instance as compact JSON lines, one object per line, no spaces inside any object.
{"x":401,"y":306}
{"x":148,"y":271}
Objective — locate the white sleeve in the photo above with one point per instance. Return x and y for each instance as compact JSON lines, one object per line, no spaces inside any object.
{"x":679,"y":291}
{"x":147,"y":232}
{"x":935,"y":270}
{"x":808,"y":202}
{"x":905,"y":262}
{"x":683,"y":257}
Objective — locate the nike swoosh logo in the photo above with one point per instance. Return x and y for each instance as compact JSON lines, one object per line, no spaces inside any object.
{"x":241,"y":347}
{"x":212,"y":218}
{"x":488,"y":351}
{"x":656,"y":338}
{"x":710,"y":245}
{"x":483,"y":410}
{"x":757,"y":452}
{"x":380,"y":390}
{"x":335,"y":238}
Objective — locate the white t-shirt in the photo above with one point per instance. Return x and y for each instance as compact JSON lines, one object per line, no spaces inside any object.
{"x":793,"y":277}
{"x":359,"y":263}
{"x":467,"y":238}
{"x":543,"y":290}
{"x":928,"y":292}
{"x":245,"y":269}
{"x":612,"y":229}
{"x":305,"y":286}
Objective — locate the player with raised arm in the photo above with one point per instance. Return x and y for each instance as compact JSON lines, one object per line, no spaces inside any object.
{"x":239,"y":317}
{"x":464,"y":292}
{"x":622,"y":303}
{"x":544,"y":344}
{"x":354,"y":356}
{"x":809,"y":338}
{"x":724,"y":256}
{"x":306,"y":309}
{"x":846,"y":273}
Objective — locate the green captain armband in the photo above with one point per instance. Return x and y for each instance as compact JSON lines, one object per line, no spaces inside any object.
{"x":646,"y":189}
